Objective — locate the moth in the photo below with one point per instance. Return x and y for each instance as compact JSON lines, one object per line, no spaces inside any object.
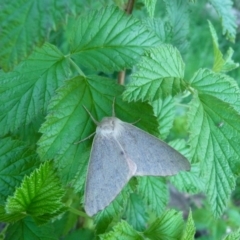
{"x":120,"y":151}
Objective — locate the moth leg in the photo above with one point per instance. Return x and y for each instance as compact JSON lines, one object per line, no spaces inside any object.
{"x":85,"y":138}
{"x":113,"y":107}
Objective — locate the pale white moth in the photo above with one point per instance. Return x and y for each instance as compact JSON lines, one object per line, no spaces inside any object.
{"x":120,"y":151}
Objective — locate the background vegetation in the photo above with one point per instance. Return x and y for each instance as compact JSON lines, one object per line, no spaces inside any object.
{"x":182,"y":75}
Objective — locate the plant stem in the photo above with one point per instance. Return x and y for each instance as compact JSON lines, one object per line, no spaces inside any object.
{"x":128,"y":10}
{"x":130,"y":6}
{"x":121,"y":77}
{"x":77,"y":212}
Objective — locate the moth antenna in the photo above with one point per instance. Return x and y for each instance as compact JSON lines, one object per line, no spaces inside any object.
{"x":94,"y":120}
{"x":85,"y":138}
{"x":113,"y":109}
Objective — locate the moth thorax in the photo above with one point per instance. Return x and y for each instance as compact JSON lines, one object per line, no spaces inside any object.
{"x":109,"y":126}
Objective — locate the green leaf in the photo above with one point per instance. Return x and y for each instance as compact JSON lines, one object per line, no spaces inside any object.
{"x":225,"y":12}
{"x":181,"y":146}
{"x":39,"y":194}
{"x":215,"y":130}
{"x":155,"y":193}
{"x":205,"y":220}
{"x":218,"y":57}
{"x":215,"y":151}
{"x":68,"y":122}
{"x":164,"y":110}
{"x":158,"y":75}
{"x":17,"y":160}
{"x":189,"y":182}
{"x":9,"y":218}
{"x":27,"y":229}
{"x":66,"y":223}
{"x":233,"y":236}
{"x":221,"y":64}
{"x":122,"y":231}
{"x":26,"y":91}
{"x":229,"y":63}
{"x":150,"y":5}
{"x":25,"y":24}
{"x":178,"y":15}
{"x":135,"y":213}
{"x":84,"y":233}
{"x":43,"y":219}
{"x":159,"y":26}
{"x":169,"y":226}
{"x":217,"y":85}
{"x":78,"y":181}
{"x":30,"y":133}
{"x":109,"y":40}
{"x":189,"y":230}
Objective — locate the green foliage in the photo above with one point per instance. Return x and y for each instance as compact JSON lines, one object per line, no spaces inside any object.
{"x":26,"y":24}
{"x":168,"y":226}
{"x":58,"y":57}
{"x":27,"y":229}
{"x":213,"y":117}
{"x":150,"y":5}
{"x":164,"y":111}
{"x":108,"y":40}
{"x":26,"y":91}
{"x":221,"y":64}
{"x":189,"y":230}
{"x":17,"y":160}
{"x":39,"y":195}
{"x":178,"y":15}
{"x":154,"y":192}
{"x":224,"y":9}
{"x":135,"y":212}
{"x":122,"y":231}
{"x":233,"y":236}
{"x":159,"y":75}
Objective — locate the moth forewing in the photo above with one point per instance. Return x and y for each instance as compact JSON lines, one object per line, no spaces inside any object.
{"x":109,"y":167}
{"x":151,"y":155}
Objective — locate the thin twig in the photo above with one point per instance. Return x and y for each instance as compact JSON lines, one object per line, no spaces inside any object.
{"x":128,"y":10}
{"x":77,"y":212}
{"x":129,"y":7}
{"x":121,"y":77}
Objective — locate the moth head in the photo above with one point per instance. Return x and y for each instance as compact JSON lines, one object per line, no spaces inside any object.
{"x":109,"y":126}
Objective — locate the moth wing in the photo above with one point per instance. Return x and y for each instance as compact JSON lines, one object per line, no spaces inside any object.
{"x":151,"y":155}
{"x":108,"y":171}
